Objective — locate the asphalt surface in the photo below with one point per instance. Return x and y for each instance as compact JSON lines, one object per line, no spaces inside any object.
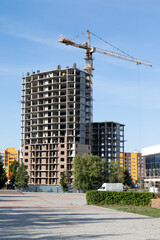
{"x":67,"y":217}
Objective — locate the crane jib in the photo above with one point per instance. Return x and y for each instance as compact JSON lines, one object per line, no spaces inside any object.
{"x":88,"y":48}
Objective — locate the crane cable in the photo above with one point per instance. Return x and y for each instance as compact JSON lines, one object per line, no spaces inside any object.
{"x":139,"y":106}
{"x":105,"y":42}
{"x":111,"y":45}
{"x":78,"y":35}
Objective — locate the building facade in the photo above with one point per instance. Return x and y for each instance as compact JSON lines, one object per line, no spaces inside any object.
{"x":151,"y":156}
{"x":2,"y":156}
{"x":108,"y":140}
{"x":135,"y":164}
{"x":8,"y":156}
{"x":56,"y":117}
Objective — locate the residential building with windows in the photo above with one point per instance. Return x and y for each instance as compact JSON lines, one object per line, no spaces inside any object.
{"x":8,"y":156}
{"x":108,"y":140}
{"x":56,"y":117}
{"x":122,"y":160}
{"x":2,"y":156}
{"x":135,"y":164}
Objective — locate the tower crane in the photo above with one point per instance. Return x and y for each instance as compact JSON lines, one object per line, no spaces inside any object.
{"x":90,"y":50}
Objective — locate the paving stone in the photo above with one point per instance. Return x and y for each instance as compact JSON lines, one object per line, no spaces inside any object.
{"x":67,"y":217}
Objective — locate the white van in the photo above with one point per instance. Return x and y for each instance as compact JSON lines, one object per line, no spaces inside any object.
{"x":111,"y":187}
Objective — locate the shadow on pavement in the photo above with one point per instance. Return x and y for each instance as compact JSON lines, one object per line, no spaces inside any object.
{"x":31,"y":223}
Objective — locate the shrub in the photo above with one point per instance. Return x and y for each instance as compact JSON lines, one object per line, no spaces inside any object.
{"x":119,"y":198}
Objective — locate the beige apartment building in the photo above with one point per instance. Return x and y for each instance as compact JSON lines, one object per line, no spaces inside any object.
{"x":56,"y":116}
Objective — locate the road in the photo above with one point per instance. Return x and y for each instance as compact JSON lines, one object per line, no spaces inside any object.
{"x":67,"y":217}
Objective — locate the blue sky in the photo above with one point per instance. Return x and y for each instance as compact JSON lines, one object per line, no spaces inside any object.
{"x":123,"y":92}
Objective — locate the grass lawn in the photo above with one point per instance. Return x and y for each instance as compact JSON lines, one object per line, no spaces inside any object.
{"x":147,"y":211}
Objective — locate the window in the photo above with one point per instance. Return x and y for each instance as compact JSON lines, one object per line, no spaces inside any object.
{"x":26,"y":147}
{"x":62,"y":166}
{"x":26,"y":160}
{"x":26,"y":154}
{"x":62,"y":159}
{"x":62,"y":152}
{"x":62,"y":145}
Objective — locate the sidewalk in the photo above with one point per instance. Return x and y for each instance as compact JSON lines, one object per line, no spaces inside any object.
{"x":66,"y":216}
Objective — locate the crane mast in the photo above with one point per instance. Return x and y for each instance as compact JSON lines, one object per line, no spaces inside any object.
{"x":89,"y":57}
{"x":90,"y":50}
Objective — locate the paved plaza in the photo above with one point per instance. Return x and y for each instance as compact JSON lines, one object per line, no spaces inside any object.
{"x":66,"y":216}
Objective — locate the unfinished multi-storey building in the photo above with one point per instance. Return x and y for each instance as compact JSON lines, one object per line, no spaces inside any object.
{"x":108,"y":140}
{"x":56,"y":117}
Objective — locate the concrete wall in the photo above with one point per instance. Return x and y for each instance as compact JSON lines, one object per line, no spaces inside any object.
{"x":82,"y":149}
{"x":50,"y":188}
{"x":45,"y":188}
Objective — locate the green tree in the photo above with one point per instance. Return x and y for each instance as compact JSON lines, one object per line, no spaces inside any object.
{"x":89,"y":172}
{"x":115,"y":172}
{"x":22,"y":176}
{"x":105,"y":171}
{"x":13,"y":170}
{"x":126,"y":178}
{"x":3,"y":178}
{"x":65,"y":180}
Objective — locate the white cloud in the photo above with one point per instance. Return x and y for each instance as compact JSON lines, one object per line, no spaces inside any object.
{"x":19,"y":30}
{"x":31,"y":37}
